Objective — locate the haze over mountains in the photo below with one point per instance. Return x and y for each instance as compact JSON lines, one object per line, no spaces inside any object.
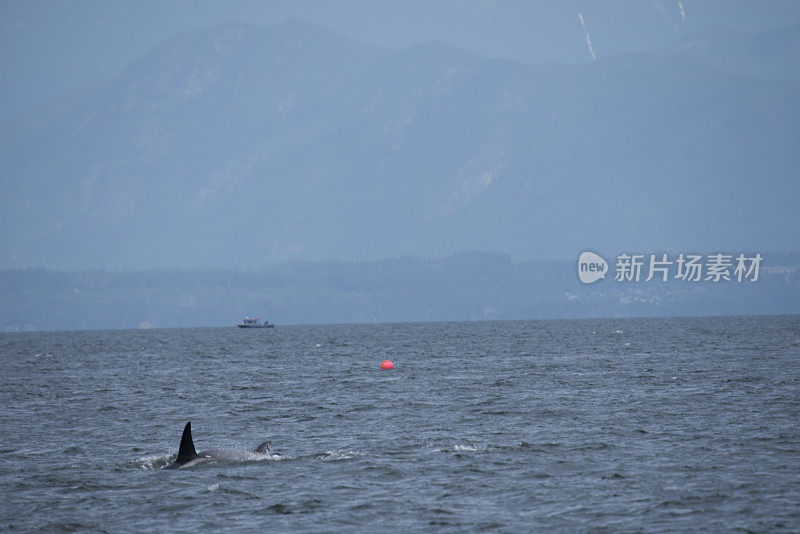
{"x":238,"y":145}
{"x":49,"y":47}
{"x":462,"y":287}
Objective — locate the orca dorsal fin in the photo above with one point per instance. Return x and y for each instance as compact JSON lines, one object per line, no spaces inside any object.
{"x":186,"y":451}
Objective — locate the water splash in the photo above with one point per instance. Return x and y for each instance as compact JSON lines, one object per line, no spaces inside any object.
{"x":333,"y":456}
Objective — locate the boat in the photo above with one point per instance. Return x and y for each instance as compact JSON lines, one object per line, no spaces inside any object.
{"x":255,"y":323}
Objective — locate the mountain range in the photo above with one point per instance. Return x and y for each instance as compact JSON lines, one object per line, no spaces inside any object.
{"x":237,"y":146}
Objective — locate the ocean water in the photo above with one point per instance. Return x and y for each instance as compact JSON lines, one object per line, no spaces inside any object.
{"x":688,"y":424}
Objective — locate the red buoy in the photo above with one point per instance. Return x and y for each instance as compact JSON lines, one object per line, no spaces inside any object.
{"x":387,"y":364}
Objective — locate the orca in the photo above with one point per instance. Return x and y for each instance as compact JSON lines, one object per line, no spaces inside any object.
{"x":189,"y":457}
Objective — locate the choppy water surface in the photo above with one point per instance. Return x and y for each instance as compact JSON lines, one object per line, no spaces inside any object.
{"x":656,"y":424}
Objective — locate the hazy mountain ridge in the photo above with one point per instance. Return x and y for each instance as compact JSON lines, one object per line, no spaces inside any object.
{"x":774,"y":54}
{"x":50,"y":48}
{"x":468,"y":286}
{"x":310,"y":145}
